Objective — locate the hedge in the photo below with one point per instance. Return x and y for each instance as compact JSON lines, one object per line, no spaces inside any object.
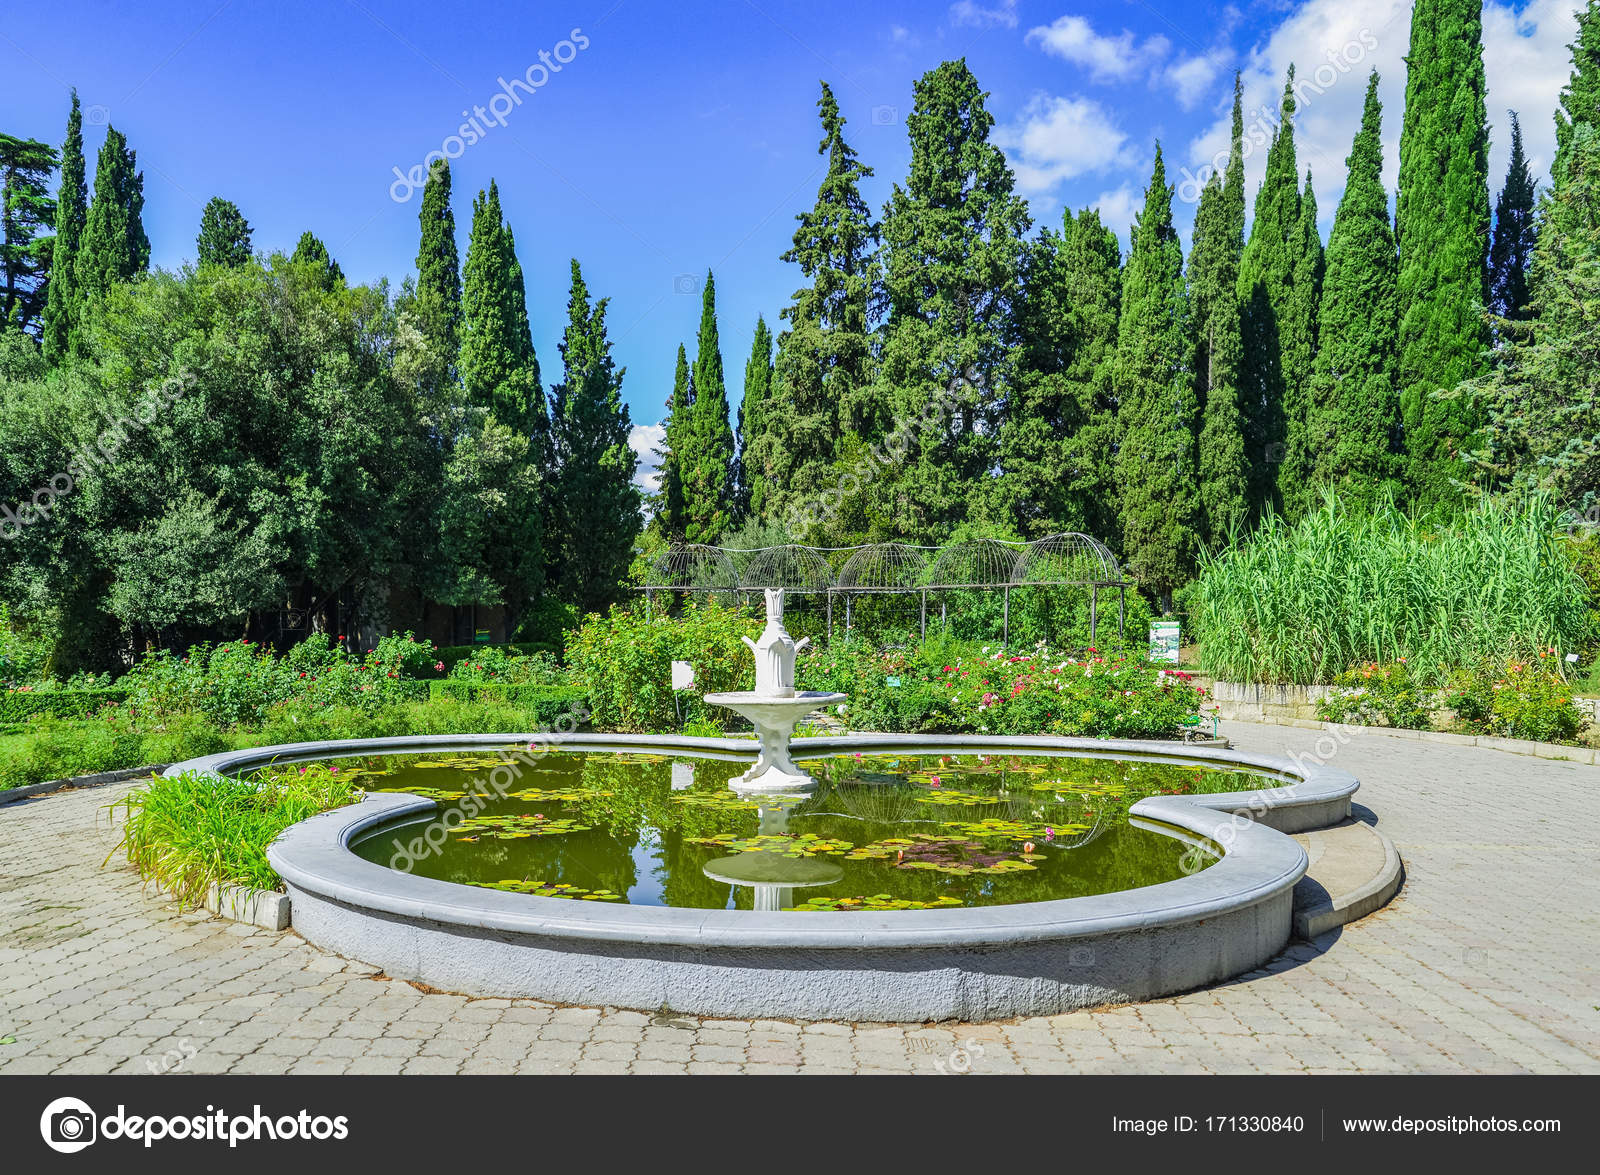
{"x":453,"y":655}
{"x":547,"y":703}
{"x":17,"y":706}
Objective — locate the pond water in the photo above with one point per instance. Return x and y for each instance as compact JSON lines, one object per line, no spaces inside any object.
{"x":882,"y":831}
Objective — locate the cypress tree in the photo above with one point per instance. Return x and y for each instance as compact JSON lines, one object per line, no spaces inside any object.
{"x":952,"y":263}
{"x":1266,"y":291}
{"x":438,"y":302}
{"x":1157,"y":410}
{"x":1355,"y":409}
{"x":1514,"y":235}
{"x":707,"y":459}
{"x":311,"y":251}
{"x":224,"y":234}
{"x":1580,"y":98}
{"x":1442,"y":230}
{"x":594,"y":505}
{"x":823,"y":372}
{"x":72,"y":213}
{"x":497,"y":366}
{"x":25,"y":210}
{"x":1299,"y":352}
{"x":755,"y":428}
{"x":1219,"y":345}
{"x":672,"y":518}
{"x":1059,"y":432}
{"x":114,"y":247}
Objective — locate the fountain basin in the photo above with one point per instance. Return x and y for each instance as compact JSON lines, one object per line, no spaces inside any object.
{"x":981,"y":962}
{"x":774,"y":719}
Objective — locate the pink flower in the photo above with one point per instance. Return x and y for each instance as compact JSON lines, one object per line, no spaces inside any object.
{"x":933,"y":780}
{"x":438,"y":666}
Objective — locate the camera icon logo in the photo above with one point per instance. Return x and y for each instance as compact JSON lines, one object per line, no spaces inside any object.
{"x":885,"y":115}
{"x":68,"y":1125}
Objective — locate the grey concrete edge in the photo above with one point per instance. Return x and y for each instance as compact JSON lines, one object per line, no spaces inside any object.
{"x":265,"y":908}
{"x":1323,"y":916}
{"x":1258,"y":865}
{"x":11,"y":794}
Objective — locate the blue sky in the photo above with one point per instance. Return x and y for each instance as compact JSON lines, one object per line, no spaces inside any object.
{"x":683,"y":136}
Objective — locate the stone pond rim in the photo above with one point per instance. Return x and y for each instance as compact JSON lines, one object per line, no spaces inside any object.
{"x":971,"y":963}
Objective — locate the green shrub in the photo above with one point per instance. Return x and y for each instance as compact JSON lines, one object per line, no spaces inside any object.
{"x":192,"y":831}
{"x":624,"y":661}
{"x":1377,"y":695}
{"x":20,"y":705}
{"x":493,"y":664}
{"x":1340,"y":589}
{"x":1516,"y":698}
{"x":544,"y":704}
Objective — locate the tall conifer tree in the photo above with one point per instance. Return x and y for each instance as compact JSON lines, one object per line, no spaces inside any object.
{"x":1299,"y":353}
{"x":1214,"y":305}
{"x":26,"y":209}
{"x":1580,"y":98}
{"x":707,"y":459}
{"x":756,"y":425}
{"x":497,"y":366}
{"x":1355,"y":408}
{"x":1515,"y":232}
{"x":224,"y":234}
{"x":114,"y":246}
{"x":594,"y":506}
{"x":1158,"y":413}
{"x":1266,"y":293}
{"x":672,"y":516}
{"x":72,"y":213}
{"x":1442,"y":229}
{"x":953,"y":252}
{"x":438,"y":302}
{"x":310,"y":250}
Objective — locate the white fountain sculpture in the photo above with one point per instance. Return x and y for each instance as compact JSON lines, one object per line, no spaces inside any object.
{"x":774,"y":707}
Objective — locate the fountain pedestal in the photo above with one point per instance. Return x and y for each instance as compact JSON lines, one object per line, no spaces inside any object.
{"x":774,"y":720}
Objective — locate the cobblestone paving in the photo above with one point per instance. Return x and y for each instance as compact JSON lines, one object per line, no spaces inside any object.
{"x":1485,"y":962}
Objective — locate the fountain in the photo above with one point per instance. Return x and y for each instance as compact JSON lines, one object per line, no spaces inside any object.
{"x":774,"y":707}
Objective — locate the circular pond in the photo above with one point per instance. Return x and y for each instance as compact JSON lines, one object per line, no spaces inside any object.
{"x":967,"y":877}
{"x":883,"y":831}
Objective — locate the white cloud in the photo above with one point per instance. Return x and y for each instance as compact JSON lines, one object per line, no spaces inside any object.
{"x":1190,"y":77}
{"x":1056,"y":139}
{"x":1108,"y":59}
{"x":1118,"y":208}
{"x":645,"y":440}
{"x":975,"y":15}
{"x":1335,"y":43}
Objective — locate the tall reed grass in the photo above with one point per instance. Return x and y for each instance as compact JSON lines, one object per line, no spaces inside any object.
{"x":1300,"y":604}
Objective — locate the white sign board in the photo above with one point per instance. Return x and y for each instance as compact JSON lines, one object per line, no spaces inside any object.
{"x":682,"y":675}
{"x":1164,"y":641}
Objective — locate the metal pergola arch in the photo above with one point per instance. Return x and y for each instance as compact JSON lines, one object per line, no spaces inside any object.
{"x":1067,"y":559}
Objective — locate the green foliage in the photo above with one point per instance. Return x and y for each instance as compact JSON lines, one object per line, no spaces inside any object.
{"x":24,"y":703}
{"x":26,"y":211}
{"x":493,"y":664}
{"x":192,"y":831}
{"x":1354,"y":411}
{"x":1158,"y":417}
{"x":1516,"y":697}
{"x":543,"y":704}
{"x":1580,"y":98}
{"x":754,"y":466}
{"x":952,"y":258}
{"x":224,"y":234}
{"x":72,"y":214}
{"x":497,"y":364}
{"x":310,"y":250}
{"x":672,"y":516}
{"x":997,"y":692}
{"x":1442,"y":230}
{"x":1541,"y":396}
{"x":438,"y":302}
{"x":625,"y":661}
{"x":822,"y":382}
{"x":593,"y":513}
{"x":1515,"y":232}
{"x":705,"y":462}
{"x":1058,"y":437}
{"x":1339,"y":589}
{"x":114,"y":247}
{"x":1377,"y":695}
{"x":24,"y":656}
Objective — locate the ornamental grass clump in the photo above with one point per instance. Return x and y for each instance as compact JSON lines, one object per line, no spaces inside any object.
{"x":1301,"y":604}
{"x":191,"y":831}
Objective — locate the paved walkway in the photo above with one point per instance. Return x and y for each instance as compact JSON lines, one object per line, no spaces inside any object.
{"x":1485,"y":962}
